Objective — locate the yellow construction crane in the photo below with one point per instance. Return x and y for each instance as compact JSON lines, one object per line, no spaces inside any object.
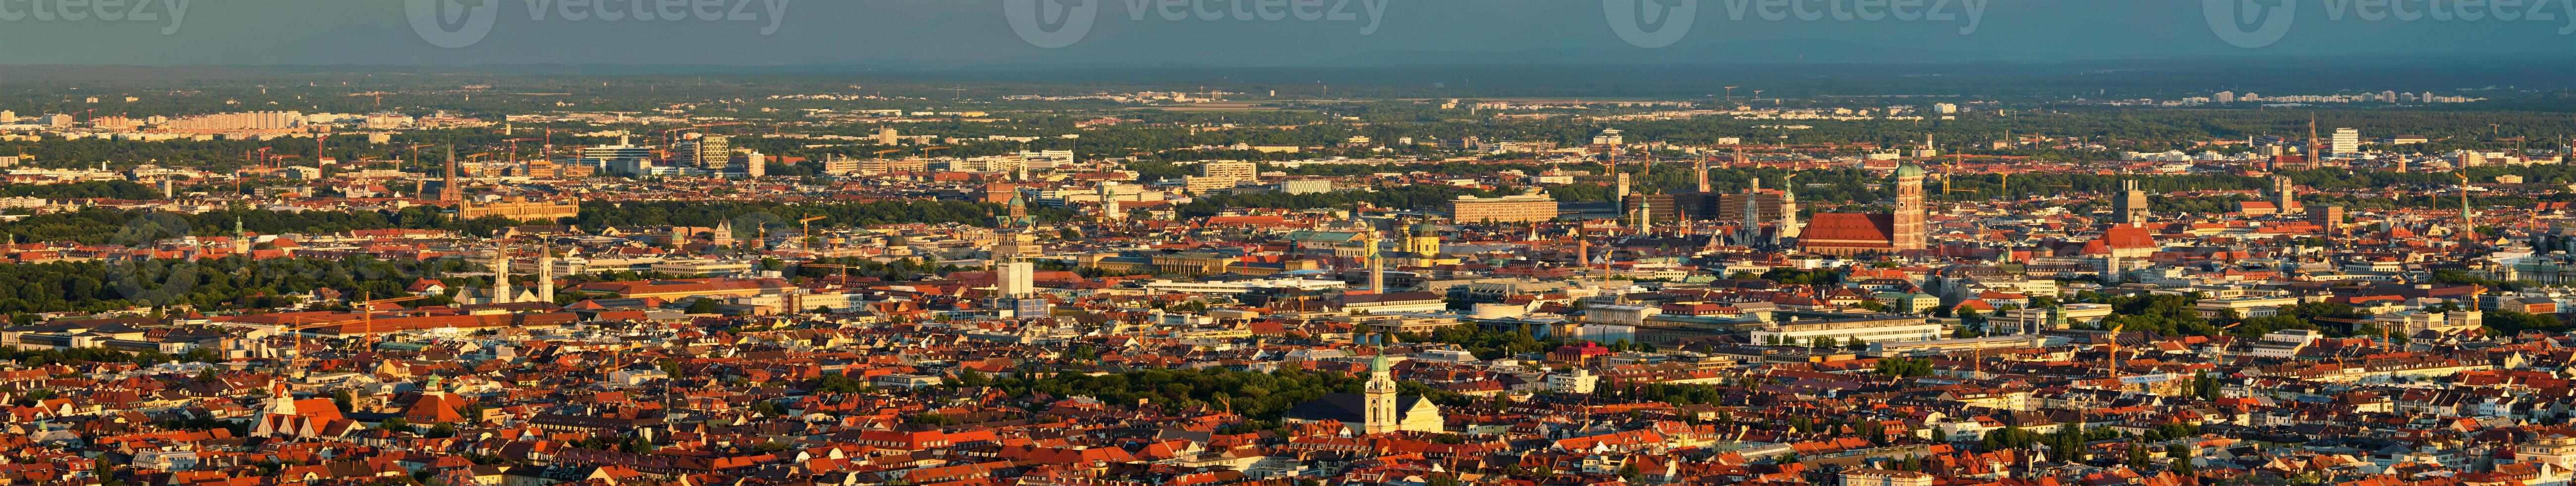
{"x":845,"y":270}
{"x":807,"y":229}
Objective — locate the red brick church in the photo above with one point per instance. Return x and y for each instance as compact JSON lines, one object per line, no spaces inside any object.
{"x":1866,"y":233}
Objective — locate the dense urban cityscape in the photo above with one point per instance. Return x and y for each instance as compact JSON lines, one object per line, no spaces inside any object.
{"x":1179,"y":276}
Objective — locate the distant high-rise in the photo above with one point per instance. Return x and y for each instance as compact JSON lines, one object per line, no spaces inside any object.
{"x":617,"y":152}
{"x":1234,"y":170}
{"x":712,"y":152}
{"x":887,"y":136}
{"x":2224,"y":97}
{"x":2131,"y":207}
{"x":2347,"y":142}
{"x":2328,"y":217}
{"x":1015,"y":279}
{"x":755,"y":164}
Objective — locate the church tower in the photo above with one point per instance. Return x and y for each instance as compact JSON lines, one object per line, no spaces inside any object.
{"x":2284,"y":194}
{"x":241,"y":238}
{"x":500,"y":275}
{"x":546,"y":274}
{"x":1424,"y":240}
{"x":1379,"y":398}
{"x":1907,"y":229}
{"x":448,"y":191}
{"x":1751,"y":230}
{"x":1109,"y":210}
{"x":1787,"y":227}
{"x":1376,"y":266}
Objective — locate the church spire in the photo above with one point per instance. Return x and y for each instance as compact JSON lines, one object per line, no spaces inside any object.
{"x":1378,"y":400}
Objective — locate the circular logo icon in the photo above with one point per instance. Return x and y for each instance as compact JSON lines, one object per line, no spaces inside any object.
{"x":450,"y":23}
{"x":752,"y":231}
{"x":2248,"y":23}
{"x":148,"y":279}
{"x":1650,"y":23}
{"x":1051,"y":23}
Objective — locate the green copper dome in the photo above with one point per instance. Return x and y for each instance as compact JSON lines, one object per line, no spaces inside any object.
{"x":1909,"y":170}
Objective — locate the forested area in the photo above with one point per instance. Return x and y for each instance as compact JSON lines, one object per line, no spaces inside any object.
{"x":773,"y":216}
{"x":109,"y":226}
{"x":208,"y":284}
{"x":138,"y":227}
{"x":1260,"y":396}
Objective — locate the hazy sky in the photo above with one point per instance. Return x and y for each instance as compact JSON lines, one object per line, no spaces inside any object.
{"x":976,"y":32}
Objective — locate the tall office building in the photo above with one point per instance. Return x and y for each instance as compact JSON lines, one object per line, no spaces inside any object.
{"x":1015,"y":279}
{"x":2347,"y":142}
{"x":1518,"y":208}
{"x":887,"y":136}
{"x":2329,"y":217}
{"x":755,"y":164}
{"x":1235,"y":170}
{"x":712,"y":152}
{"x":616,"y":152}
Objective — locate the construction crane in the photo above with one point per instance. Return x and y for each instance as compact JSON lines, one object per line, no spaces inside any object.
{"x":514,"y":145}
{"x":1946,"y":189}
{"x":295,"y":333}
{"x":667,"y":142}
{"x":845,"y":270}
{"x":415,"y":152}
{"x":925,"y":151}
{"x":366,"y":308}
{"x":806,"y":229}
{"x":881,"y":153}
